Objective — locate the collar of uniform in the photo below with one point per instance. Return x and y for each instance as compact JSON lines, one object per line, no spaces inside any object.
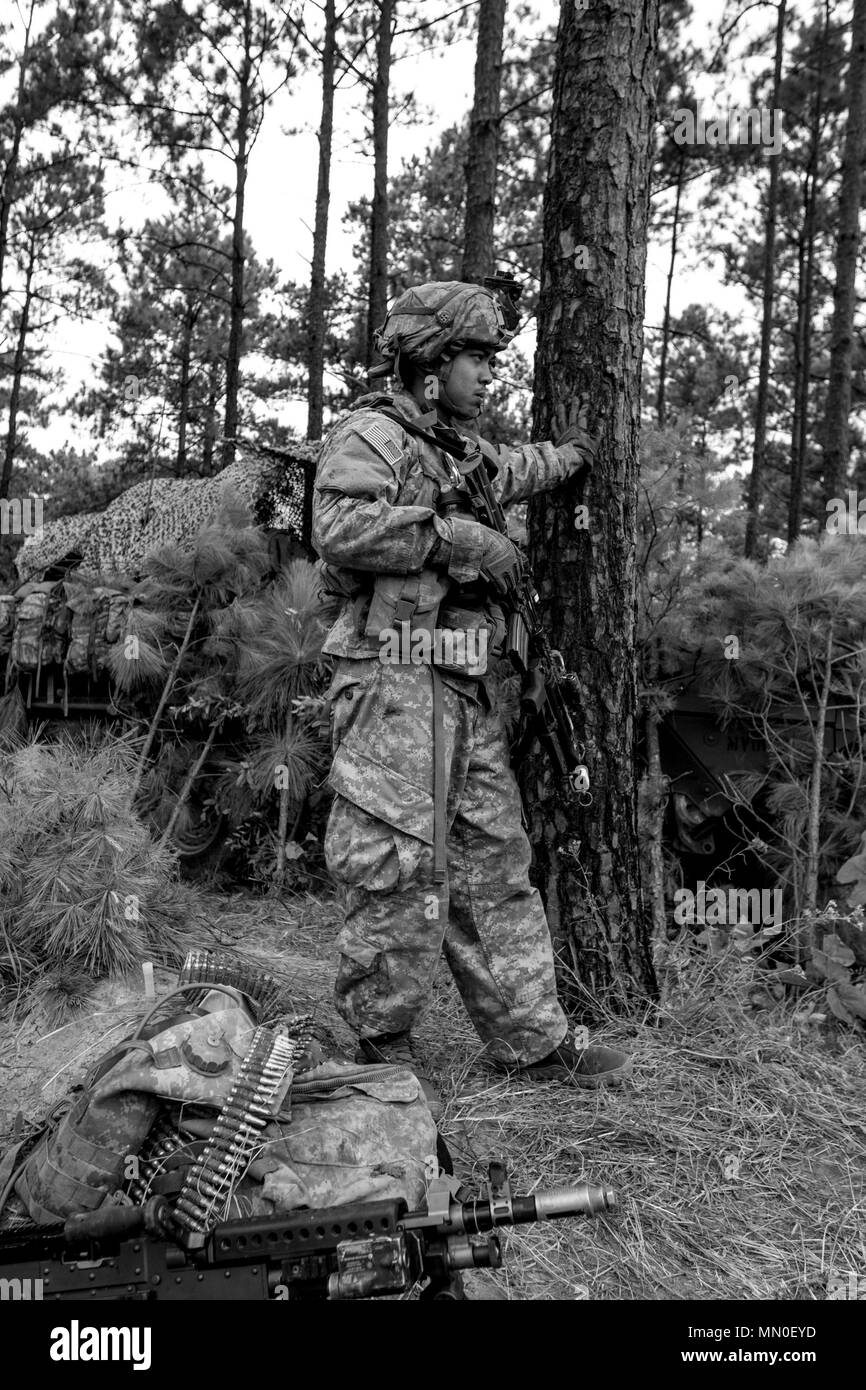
{"x":407,"y":405}
{"x":425,"y":419}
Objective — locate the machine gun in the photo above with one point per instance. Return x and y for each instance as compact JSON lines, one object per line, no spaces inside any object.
{"x":363,"y":1250}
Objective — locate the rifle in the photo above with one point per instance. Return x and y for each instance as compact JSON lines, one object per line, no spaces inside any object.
{"x":544,"y":715}
{"x":362,"y":1250}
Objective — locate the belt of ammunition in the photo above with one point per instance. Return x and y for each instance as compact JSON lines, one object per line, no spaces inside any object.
{"x":236,"y":1137}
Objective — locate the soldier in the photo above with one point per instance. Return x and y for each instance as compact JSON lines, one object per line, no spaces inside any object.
{"x":425,"y":837}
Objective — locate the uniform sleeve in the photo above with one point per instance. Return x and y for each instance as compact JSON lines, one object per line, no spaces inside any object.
{"x":532,"y":468}
{"x":356,"y":520}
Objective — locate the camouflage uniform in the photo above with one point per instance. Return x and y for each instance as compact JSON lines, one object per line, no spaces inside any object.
{"x":375,"y":495}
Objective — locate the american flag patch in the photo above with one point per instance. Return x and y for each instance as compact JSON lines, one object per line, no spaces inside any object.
{"x":382,"y":443}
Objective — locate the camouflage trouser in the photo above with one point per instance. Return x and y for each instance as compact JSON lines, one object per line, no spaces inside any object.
{"x":486,"y":917}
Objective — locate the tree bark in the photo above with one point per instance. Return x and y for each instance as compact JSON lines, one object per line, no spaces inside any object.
{"x":183,"y":795}
{"x":18,"y":371}
{"x":589,"y":349}
{"x":813,"y":835}
{"x":236,"y":329}
{"x":210,"y":425}
{"x":163,"y":701}
{"x":838,"y":405}
{"x":183,"y":402}
{"x":483,"y":149}
{"x":806,"y":285}
{"x":759,"y":448}
{"x":283,"y":825}
{"x":378,"y":300}
{"x":656,"y":794}
{"x":10,"y":168}
{"x":316,"y":308}
{"x":666,"y":325}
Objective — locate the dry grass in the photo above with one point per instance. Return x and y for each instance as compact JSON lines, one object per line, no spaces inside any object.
{"x":738,"y":1151}
{"x":714,"y":1081}
{"x":718,"y":1088}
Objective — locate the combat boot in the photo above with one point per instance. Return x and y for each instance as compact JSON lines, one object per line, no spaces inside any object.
{"x":587,"y":1067}
{"x":398,"y":1050}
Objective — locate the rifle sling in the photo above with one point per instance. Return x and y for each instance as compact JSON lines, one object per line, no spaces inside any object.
{"x":439,"y":788}
{"x":457,"y":451}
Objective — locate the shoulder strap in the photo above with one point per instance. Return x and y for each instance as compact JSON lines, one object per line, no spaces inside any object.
{"x":450,"y":443}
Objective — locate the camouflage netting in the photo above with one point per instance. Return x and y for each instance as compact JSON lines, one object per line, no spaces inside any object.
{"x":276,"y":484}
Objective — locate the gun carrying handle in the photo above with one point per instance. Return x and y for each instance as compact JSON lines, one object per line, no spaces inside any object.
{"x":154,"y":1217}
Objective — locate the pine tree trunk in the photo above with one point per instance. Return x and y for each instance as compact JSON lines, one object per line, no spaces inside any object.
{"x":666,"y":325}
{"x":378,"y":301}
{"x":183,"y":403}
{"x":188,"y":785}
{"x":806,"y":285}
{"x":759,"y":448}
{"x":10,"y":166}
{"x":802,"y":366}
{"x":316,"y":308}
{"x":838,"y":406}
{"x":656,"y":799}
{"x":210,"y":425}
{"x":813,"y":838}
{"x":590,"y":349}
{"x":236,"y":328}
{"x":163,"y":700}
{"x":483,"y":149}
{"x":18,"y":372}
{"x":283,"y":825}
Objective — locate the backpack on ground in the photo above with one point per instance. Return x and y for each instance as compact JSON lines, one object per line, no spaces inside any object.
{"x":228,"y":1107}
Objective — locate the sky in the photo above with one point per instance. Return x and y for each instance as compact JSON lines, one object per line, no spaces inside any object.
{"x":282,"y":185}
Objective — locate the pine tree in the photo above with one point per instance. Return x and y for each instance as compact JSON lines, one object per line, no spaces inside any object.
{"x":207,"y":75}
{"x":838,"y":405}
{"x":597,"y":195}
{"x":483,"y":148}
{"x":161,"y":388}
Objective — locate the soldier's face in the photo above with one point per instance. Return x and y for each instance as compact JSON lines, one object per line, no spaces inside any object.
{"x":464,"y":381}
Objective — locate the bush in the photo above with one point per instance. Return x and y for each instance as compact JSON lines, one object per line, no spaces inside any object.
{"x":85,"y":891}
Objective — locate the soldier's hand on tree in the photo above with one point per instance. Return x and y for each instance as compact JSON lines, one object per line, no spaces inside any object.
{"x":575,"y":431}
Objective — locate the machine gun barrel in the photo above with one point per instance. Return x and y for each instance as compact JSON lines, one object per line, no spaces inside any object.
{"x":478,"y":1217}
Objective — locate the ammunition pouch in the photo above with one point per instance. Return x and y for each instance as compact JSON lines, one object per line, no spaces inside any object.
{"x":406,"y":598}
{"x":462,"y":637}
{"x":484,"y":630}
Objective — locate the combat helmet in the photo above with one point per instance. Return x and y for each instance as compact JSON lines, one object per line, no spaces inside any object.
{"x":429,"y":322}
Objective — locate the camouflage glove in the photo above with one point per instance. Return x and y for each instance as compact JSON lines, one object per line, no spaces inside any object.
{"x":500,"y":559}
{"x":586,"y":441}
{"x":486,"y":552}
